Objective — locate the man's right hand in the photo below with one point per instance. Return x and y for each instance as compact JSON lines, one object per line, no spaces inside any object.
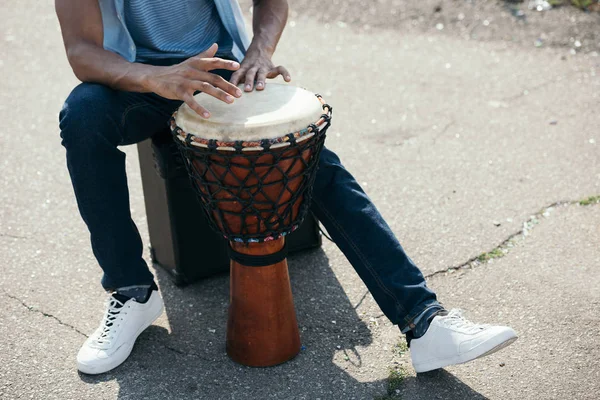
{"x":180,"y":81}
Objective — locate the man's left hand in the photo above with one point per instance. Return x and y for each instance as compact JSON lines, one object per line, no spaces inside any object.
{"x":257,"y":67}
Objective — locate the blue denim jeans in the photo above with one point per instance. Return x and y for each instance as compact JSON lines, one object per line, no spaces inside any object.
{"x":96,"y":120}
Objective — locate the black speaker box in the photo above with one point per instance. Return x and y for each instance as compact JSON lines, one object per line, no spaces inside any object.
{"x":181,"y":240}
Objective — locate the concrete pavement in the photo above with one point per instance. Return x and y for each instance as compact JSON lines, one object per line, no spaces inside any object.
{"x":457,"y":142}
{"x":547,"y":287}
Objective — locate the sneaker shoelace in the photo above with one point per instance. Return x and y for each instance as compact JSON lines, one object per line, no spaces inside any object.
{"x":455,"y":319}
{"x":110,"y":322}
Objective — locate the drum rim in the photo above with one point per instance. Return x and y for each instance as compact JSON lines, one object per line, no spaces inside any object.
{"x":254,"y":145}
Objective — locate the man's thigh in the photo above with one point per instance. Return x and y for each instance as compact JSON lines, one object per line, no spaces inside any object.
{"x":146,"y":114}
{"x":120,"y":117}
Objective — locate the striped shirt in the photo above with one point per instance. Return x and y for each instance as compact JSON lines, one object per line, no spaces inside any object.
{"x":141,"y":30}
{"x":157,"y":34}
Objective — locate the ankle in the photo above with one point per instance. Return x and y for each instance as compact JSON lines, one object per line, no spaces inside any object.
{"x":423,"y":321}
{"x":141,"y":293}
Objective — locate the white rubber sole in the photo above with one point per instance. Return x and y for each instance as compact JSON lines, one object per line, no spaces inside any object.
{"x":121,"y":354}
{"x":486,"y":348}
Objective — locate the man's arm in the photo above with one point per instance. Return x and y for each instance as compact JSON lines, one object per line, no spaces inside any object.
{"x":268,"y":21}
{"x":81,"y":25}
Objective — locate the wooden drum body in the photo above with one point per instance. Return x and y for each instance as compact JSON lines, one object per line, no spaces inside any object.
{"x":253,"y":168}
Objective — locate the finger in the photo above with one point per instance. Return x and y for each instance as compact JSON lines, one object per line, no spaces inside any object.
{"x":280,"y":70}
{"x":249,"y":79}
{"x":210,"y":52}
{"x":237,"y":76}
{"x":218,"y":81}
{"x":189,"y":100}
{"x":209,"y":89}
{"x":261,"y":77}
{"x":209,"y":64}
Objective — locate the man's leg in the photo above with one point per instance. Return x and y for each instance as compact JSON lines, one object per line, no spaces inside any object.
{"x":94,"y":121}
{"x":437,"y":338}
{"x":367,"y":241}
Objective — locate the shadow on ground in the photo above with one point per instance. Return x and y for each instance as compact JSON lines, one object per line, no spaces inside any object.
{"x":190,"y":362}
{"x":438,"y":384}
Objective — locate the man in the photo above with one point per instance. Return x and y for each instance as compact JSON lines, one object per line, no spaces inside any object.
{"x":138,"y":61}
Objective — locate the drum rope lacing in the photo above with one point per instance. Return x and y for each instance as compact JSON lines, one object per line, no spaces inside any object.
{"x":237,"y":185}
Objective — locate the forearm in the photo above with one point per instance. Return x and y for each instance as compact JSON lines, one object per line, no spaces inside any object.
{"x":268,"y":21}
{"x":83,"y":32}
{"x":91,"y":63}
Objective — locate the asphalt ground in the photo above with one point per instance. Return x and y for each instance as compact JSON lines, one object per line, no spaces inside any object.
{"x":458,"y":142}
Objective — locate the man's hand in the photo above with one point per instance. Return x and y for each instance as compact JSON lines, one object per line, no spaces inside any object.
{"x":257,"y":66}
{"x":268,"y":20}
{"x":180,"y":81}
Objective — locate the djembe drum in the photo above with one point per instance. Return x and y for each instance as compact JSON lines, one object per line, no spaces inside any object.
{"x":253,"y":164}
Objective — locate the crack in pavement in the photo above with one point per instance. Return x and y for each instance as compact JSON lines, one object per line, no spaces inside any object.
{"x":8,"y":235}
{"x":502,"y":249}
{"x":444,"y":130}
{"x":528,"y":91}
{"x":176,"y":350}
{"x":361,"y":300}
{"x":75,"y":329}
{"x":428,"y":132}
{"x":183,"y":353}
{"x":33,"y":309}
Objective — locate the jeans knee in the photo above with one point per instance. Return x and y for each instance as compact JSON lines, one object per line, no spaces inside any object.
{"x":330,"y":166}
{"x":85,"y":117}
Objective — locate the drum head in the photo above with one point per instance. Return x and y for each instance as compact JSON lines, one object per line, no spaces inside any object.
{"x":274,"y":112}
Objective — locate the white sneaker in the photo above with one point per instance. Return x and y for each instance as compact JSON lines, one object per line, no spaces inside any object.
{"x":113,"y":341}
{"x":451,"y":339}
